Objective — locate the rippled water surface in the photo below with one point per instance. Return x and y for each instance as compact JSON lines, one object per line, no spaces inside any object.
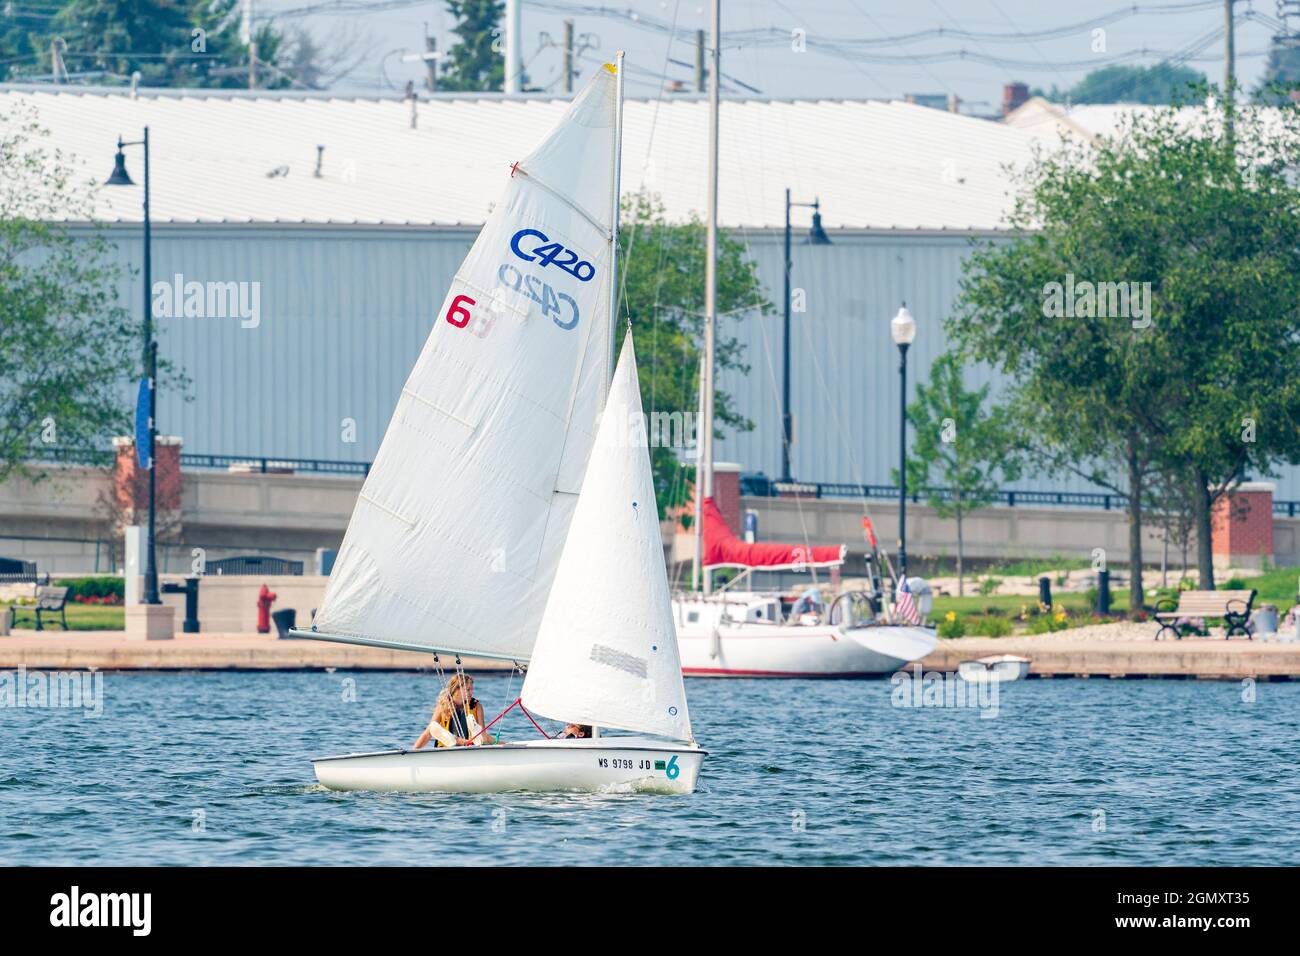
{"x":214,"y":769}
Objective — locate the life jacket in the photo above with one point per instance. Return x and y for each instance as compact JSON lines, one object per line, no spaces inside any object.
{"x":457,"y":723}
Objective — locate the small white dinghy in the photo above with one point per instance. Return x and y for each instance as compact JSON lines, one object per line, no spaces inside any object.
{"x":996,"y":669}
{"x":604,"y":764}
{"x":500,"y":520}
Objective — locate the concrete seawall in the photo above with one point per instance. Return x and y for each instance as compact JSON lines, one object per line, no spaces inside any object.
{"x":110,"y":650}
{"x":1058,"y":656}
{"x":1052,"y":655}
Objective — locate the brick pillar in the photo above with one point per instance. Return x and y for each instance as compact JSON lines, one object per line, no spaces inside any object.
{"x":1241,"y":526}
{"x":726,"y":492}
{"x":131,"y":485}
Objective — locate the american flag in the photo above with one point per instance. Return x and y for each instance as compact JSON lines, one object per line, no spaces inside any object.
{"x":905,"y":606}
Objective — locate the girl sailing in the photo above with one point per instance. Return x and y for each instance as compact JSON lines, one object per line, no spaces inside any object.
{"x":457,"y":716}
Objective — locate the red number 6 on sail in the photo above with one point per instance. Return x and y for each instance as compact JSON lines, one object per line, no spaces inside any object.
{"x":457,"y":314}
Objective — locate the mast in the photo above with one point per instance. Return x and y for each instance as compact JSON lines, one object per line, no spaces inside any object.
{"x":615,"y":185}
{"x":704,"y":465}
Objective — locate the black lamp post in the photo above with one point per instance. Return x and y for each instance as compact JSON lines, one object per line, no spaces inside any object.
{"x":903,"y":330}
{"x":119,"y":177}
{"x":816,"y":237}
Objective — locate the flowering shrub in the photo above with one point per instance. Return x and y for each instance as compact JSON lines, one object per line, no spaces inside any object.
{"x":94,"y":590}
{"x":108,"y":600}
{"x":991,"y":626}
{"x":951,"y":626}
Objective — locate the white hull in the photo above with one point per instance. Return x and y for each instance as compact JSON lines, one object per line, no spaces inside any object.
{"x":616,"y":764}
{"x":771,"y":650}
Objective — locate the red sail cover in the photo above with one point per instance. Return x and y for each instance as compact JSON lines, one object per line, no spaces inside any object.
{"x":722,"y":549}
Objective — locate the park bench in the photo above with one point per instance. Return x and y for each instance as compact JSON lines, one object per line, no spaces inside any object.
{"x":1232,"y":606}
{"x":48,"y":601}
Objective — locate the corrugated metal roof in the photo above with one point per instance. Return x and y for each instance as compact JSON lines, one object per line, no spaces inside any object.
{"x":874,"y":165}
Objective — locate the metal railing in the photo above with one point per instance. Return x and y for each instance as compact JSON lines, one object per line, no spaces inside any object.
{"x":762,"y":487}
{"x":263,"y":464}
{"x":757,"y":486}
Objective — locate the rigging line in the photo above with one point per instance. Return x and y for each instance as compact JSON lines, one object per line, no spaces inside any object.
{"x":858,"y":472}
{"x":771,"y":372}
{"x":767,"y":351}
{"x":654,"y":125}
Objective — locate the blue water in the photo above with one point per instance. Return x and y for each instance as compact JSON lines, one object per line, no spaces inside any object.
{"x":213,"y":769}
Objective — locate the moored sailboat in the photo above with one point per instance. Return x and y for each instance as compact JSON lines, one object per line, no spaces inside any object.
{"x":734,"y":633}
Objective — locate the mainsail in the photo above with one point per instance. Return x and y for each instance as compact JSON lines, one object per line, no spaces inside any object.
{"x":606,"y":650}
{"x":456,"y":534}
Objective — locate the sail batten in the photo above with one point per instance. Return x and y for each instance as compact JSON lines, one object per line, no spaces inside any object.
{"x":461,"y":521}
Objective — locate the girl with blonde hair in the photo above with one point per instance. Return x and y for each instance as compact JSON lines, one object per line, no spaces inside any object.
{"x":457,"y":716}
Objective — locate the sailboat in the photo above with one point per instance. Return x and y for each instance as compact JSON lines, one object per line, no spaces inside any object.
{"x":737,"y":633}
{"x":510,"y":512}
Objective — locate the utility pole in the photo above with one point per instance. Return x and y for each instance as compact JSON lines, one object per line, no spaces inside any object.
{"x":1229,"y":52}
{"x":514,"y":65}
{"x":568,"y":57}
{"x":699,"y":61}
{"x":246,"y":34}
{"x":431,"y":60}
{"x":57,"y":66}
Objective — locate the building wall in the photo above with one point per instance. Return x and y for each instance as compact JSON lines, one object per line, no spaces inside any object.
{"x":345,"y":310}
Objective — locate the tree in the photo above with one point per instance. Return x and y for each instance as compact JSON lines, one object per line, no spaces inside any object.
{"x":1161,"y":83}
{"x":66,"y":346}
{"x":663,"y":295}
{"x":1146,"y":307}
{"x":1281,"y":75}
{"x":475,"y":63}
{"x":171,"y":43}
{"x":962,"y":453}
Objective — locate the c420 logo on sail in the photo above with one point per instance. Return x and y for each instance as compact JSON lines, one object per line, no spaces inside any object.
{"x":533,"y":245}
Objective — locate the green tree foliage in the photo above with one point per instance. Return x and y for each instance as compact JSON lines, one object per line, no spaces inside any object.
{"x":170,"y":43}
{"x":66,"y":347}
{"x":1281,"y":75}
{"x":1196,"y":385}
{"x":1162,"y":83}
{"x":475,"y":62}
{"x":962,"y":452}
{"x":663,"y":295}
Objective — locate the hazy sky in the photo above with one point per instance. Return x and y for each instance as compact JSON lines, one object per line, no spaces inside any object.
{"x":757,"y":48}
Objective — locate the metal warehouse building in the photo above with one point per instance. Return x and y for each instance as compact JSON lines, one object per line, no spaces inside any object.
{"x":351,"y":215}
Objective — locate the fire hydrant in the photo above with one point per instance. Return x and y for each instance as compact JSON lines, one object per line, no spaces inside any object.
{"x":265,"y":598}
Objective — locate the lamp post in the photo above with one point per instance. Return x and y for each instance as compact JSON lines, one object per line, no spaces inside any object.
{"x":903,"y":330}
{"x":816,"y":237}
{"x":120,"y":177}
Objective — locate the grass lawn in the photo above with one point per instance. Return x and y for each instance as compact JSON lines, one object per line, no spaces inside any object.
{"x":1275,"y":587}
{"x":1010,"y":604}
{"x":1278,"y":587}
{"x":81,"y":617}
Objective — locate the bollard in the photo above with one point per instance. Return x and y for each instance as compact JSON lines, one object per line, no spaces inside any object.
{"x":1045,"y":591}
{"x":1103,"y":592}
{"x":191,"y":591}
{"x":284,"y":621}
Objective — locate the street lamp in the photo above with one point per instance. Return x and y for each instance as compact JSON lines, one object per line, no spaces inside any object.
{"x":903,"y":330}
{"x":816,"y":237}
{"x":120,"y":177}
